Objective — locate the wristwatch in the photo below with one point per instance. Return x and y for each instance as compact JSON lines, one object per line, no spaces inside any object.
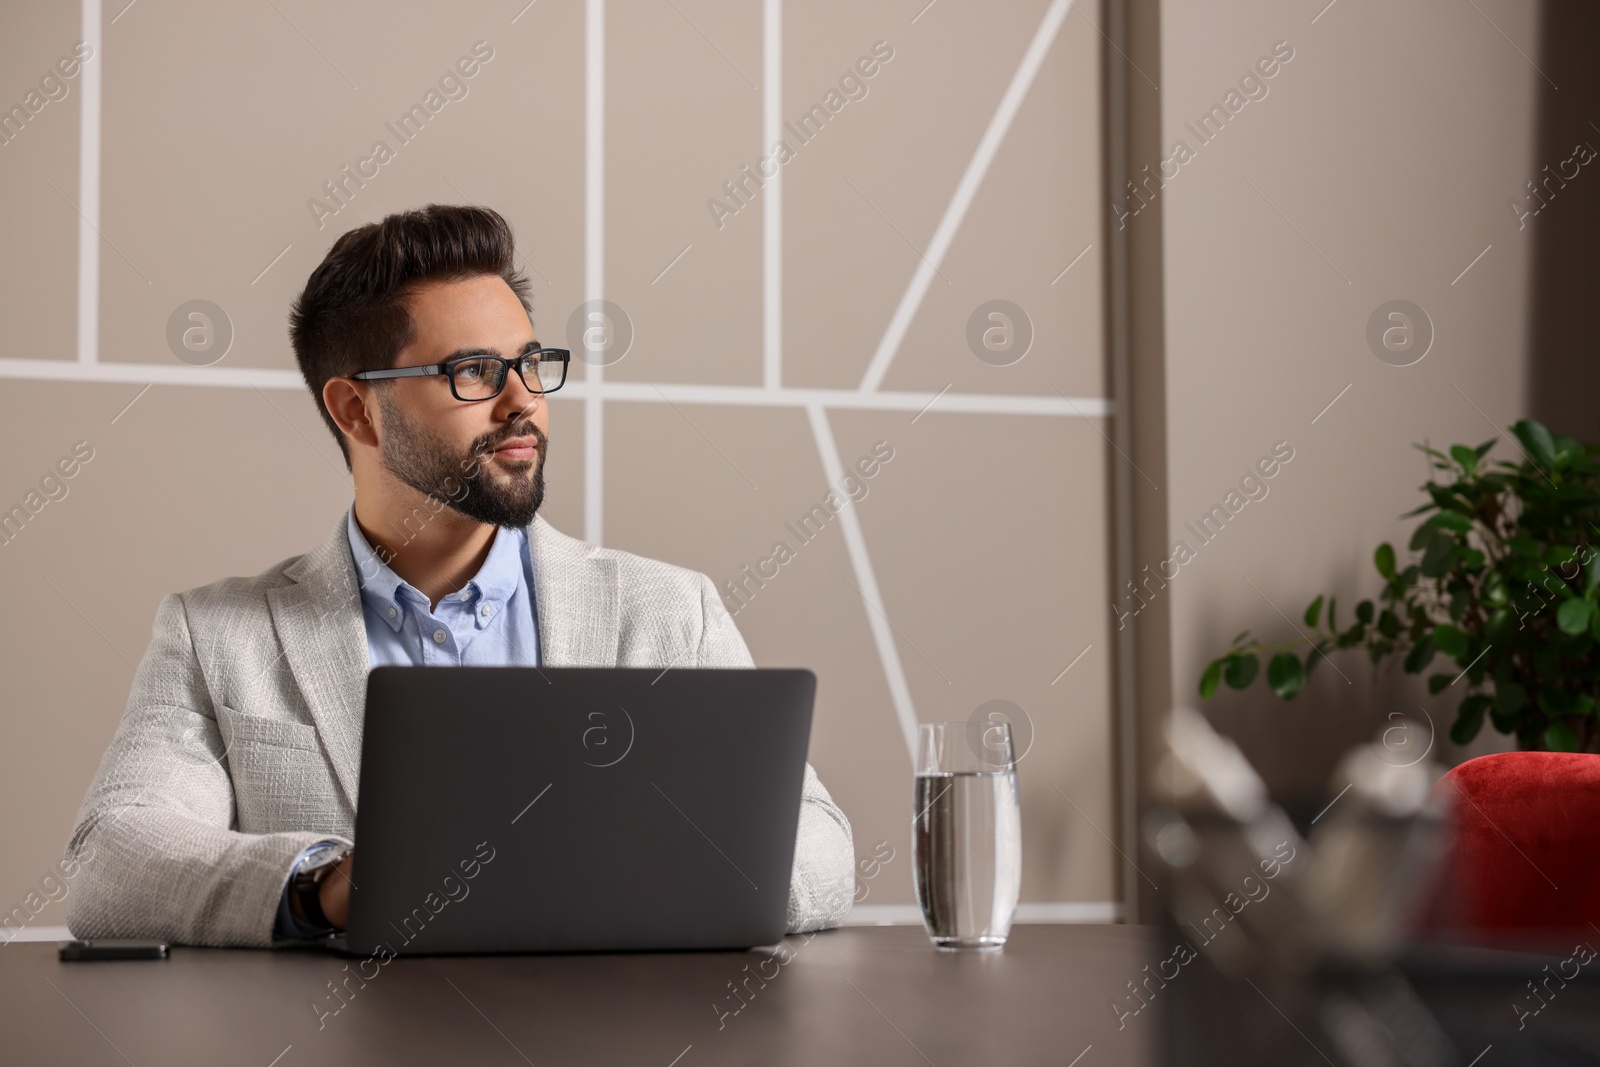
{"x":307,"y":882}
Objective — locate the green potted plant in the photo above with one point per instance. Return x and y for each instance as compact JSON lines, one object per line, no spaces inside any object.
{"x":1502,"y":583}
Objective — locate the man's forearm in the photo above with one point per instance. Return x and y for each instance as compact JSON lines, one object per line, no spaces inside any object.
{"x":822,"y":884}
{"x":160,"y":874}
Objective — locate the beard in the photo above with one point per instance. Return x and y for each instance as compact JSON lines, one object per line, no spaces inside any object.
{"x":423,"y":460}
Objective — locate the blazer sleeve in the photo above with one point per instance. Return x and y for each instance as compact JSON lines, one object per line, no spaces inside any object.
{"x":822,"y":885}
{"x":155,"y":848}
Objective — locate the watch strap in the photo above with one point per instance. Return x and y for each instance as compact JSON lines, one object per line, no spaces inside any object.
{"x":307,"y":881}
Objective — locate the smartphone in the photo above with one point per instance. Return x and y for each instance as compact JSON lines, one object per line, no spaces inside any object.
{"x":113,"y":949}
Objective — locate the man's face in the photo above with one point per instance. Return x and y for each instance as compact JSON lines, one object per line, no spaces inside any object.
{"x":484,"y":458}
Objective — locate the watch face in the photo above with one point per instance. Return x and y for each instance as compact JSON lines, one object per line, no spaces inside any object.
{"x":323,"y":857}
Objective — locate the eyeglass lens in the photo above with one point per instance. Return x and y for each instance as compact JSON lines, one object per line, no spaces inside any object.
{"x":480,"y":379}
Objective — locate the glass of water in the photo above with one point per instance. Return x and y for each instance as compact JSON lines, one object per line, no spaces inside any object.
{"x":966,"y":839}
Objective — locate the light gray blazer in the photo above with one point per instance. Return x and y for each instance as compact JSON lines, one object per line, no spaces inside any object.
{"x":241,"y":742}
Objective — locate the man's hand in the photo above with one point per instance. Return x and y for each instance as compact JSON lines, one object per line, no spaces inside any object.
{"x":333,"y":892}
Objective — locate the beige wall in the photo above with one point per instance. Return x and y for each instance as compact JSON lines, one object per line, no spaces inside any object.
{"x":1387,"y":148}
{"x":987,"y":535}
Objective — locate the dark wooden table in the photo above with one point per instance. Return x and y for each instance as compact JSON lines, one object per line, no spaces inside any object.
{"x":864,"y":995}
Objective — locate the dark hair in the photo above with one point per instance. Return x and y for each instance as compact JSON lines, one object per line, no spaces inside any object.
{"x":352,"y":314}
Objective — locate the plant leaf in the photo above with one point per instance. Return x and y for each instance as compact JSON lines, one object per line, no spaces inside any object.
{"x":1451,"y":641}
{"x":1557,"y":703}
{"x":1241,"y":670}
{"x":1536,"y":439}
{"x":1384,"y":559}
{"x":1240,"y":638}
{"x":1285,"y":675}
{"x":1573,"y":615}
{"x":1389,"y":624}
{"x":1469,"y":719}
{"x":1333,"y":602}
{"x":1450,"y":520}
{"x":1317,"y":653}
{"x":1313,"y":611}
{"x":1421,"y":655}
{"x":1498,"y":628}
{"x":1556,"y":555}
{"x":1509,"y":698}
{"x":1464,"y":456}
{"x":1558,"y":736}
{"x":1364,"y":612}
{"x":1438,"y":683}
{"x":1209,"y":680}
{"x":1437,"y":559}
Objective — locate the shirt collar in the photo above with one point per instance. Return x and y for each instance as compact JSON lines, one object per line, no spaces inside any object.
{"x":501,"y":574}
{"x":496,"y":582}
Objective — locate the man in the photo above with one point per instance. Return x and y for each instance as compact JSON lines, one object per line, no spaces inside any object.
{"x":223,"y":811}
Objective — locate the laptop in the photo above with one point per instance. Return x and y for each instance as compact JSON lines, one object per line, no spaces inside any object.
{"x":576,"y":809}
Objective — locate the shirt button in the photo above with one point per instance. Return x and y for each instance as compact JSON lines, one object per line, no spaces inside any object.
{"x":438,"y":637}
{"x":393,"y":613}
{"x":487,"y":610}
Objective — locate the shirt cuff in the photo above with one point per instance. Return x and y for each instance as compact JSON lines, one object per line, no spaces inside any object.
{"x":288,"y":927}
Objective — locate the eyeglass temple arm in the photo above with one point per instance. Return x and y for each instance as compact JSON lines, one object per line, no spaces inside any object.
{"x":399,"y":372}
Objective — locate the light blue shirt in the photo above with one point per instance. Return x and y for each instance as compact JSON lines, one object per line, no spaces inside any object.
{"x":492,"y":621}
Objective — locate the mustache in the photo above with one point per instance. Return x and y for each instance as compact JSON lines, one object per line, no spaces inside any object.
{"x":484,"y":445}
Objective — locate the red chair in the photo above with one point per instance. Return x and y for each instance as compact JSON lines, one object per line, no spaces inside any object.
{"x":1525,"y":855}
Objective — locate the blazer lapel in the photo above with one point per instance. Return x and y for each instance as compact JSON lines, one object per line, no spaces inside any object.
{"x":575,"y":596}
{"x":320,"y":629}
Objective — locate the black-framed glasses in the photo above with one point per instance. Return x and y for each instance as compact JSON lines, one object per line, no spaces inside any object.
{"x":483,"y":377}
